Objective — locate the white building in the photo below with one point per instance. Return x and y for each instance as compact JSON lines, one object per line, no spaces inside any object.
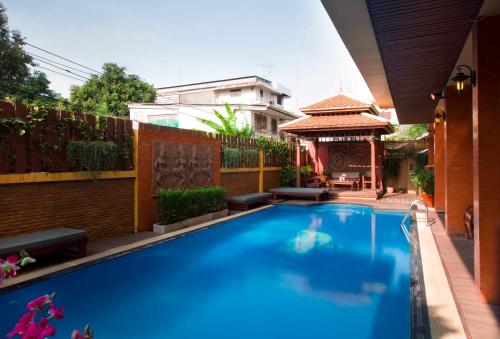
{"x":259,"y":104}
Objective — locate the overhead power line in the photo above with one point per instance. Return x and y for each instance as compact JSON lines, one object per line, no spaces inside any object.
{"x":66,"y":70}
{"x":47,"y":60}
{"x":60,"y":73}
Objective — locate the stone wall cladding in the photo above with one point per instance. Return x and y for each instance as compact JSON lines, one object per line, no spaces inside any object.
{"x":104,"y":208}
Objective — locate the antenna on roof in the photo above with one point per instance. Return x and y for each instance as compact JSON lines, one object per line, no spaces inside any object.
{"x":341,"y":86}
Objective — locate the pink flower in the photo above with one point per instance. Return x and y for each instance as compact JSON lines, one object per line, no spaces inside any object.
{"x":39,"y":331}
{"x":77,"y":335}
{"x":22,"y":324}
{"x":38,"y":303}
{"x":56,"y":312}
{"x":9,"y":266}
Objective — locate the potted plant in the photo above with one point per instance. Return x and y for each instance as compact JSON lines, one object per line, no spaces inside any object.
{"x":306,"y":173}
{"x":392,"y":164}
{"x":424,"y":182}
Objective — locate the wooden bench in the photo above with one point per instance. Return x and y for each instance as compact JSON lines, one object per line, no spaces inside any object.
{"x":245,"y":201}
{"x":300,"y":192}
{"x":45,"y":242}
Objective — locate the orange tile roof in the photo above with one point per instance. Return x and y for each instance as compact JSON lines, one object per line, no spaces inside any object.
{"x":337,"y":103}
{"x":336,"y":122}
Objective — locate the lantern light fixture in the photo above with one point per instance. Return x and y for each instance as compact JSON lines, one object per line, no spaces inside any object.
{"x":437,"y":96}
{"x":461,"y":77}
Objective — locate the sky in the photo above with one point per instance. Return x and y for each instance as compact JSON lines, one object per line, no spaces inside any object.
{"x":171,"y":42}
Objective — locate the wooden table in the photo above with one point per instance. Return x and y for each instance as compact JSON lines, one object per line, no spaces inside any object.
{"x":349,"y":183}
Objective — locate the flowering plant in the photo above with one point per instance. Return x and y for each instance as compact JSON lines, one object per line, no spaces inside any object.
{"x":10,"y":266}
{"x":35,"y":323}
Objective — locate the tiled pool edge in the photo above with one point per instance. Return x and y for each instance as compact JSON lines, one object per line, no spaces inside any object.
{"x":420,"y":324}
{"x":51,"y":271}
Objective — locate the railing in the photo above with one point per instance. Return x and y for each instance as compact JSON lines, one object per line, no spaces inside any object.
{"x":414,"y":203}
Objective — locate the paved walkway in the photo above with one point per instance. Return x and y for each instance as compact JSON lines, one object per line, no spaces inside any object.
{"x":481,"y":320}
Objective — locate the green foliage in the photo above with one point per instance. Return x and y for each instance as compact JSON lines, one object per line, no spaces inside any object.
{"x":423,"y":179}
{"x":14,"y":61}
{"x":275,"y":147}
{"x":93,"y":156}
{"x":288,"y":176}
{"x":180,"y":204}
{"x":409,"y":132}
{"x":306,"y":170}
{"x":234,"y":157}
{"x":227,"y":124}
{"x":392,"y":166}
{"x":109,"y":93}
{"x":34,"y":89}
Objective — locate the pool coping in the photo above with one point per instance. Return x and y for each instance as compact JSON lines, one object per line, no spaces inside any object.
{"x":420,"y":323}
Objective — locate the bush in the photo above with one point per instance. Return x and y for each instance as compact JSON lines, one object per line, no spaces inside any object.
{"x":234,"y":157}
{"x":288,"y":176}
{"x":180,"y":204}
{"x":423,"y":179}
{"x":93,"y":156}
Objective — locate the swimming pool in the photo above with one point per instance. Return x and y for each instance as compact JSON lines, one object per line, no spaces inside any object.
{"x":324,"y":271}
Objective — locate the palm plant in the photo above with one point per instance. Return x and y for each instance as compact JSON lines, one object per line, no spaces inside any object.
{"x":228,"y":124}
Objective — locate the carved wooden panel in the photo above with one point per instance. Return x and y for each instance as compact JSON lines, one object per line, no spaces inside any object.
{"x":349,"y":157}
{"x":182,"y":165}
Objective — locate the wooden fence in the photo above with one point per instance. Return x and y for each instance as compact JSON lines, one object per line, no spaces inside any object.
{"x":243,"y":152}
{"x":35,"y":139}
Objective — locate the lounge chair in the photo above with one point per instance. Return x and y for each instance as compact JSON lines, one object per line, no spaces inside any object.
{"x":300,"y":192}
{"x":44,"y":242}
{"x":245,"y":201}
{"x":350,"y":179}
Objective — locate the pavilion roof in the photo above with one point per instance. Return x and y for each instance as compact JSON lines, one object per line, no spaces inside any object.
{"x":337,"y":122}
{"x":338,"y":103}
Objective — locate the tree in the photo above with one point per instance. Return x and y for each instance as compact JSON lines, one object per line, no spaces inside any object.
{"x":228,"y":125}
{"x":35,"y":89}
{"x":109,"y":93}
{"x":14,"y":61}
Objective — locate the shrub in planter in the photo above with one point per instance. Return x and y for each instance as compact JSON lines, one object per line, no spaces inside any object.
{"x":288,"y":176}
{"x":180,"y":204}
{"x":424,"y":182}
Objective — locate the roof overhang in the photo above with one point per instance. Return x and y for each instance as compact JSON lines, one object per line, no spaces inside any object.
{"x":405,"y":51}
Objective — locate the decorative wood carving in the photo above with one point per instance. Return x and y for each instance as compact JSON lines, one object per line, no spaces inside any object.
{"x":349,"y":157}
{"x":182,"y":165}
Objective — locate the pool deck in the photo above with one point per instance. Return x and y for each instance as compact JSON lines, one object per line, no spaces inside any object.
{"x":480,"y":319}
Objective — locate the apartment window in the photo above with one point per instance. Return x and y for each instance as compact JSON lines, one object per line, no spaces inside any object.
{"x":279,"y":99}
{"x":261,"y":93}
{"x":260,"y":122}
{"x":274,"y":125}
{"x":235,"y":92}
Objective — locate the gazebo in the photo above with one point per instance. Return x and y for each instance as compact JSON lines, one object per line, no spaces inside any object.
{"x":342,"y":135}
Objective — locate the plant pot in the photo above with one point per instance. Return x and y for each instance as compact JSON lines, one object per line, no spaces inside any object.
{"x":390,"y":189}
{"x":161,"y":228}
{"x":428,"y":199}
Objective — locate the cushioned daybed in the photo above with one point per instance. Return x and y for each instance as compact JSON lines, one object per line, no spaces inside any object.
{"x":245,"y":201}
{"x":300,"y":192}
{"x":44,"y":242}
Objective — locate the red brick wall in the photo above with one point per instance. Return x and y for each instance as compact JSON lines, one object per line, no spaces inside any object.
{"x":240,"y":182}
{"x":486,"y":159}
{"x":148,"y":213}
{"x":271,"y":180}
{"x":458,"y":158}
{"x":105,"y":208}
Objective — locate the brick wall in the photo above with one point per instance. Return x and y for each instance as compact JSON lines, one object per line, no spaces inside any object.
{"x":147,"y":134}
{"x":240,"y":182}
{"x":271,"y":180}
{"x":104,"y":208}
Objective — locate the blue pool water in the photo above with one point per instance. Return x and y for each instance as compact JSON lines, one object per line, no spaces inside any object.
{"x":325,"y":271}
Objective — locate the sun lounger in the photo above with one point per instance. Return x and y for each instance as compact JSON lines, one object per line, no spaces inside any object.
{"x":245,"y":201}
{"x":300,"y":192}
{"x":44,"y":242}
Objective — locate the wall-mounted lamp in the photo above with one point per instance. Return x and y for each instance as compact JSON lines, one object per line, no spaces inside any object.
{"x":437,"y":96}
{"x":438,"y":117}
{"x":460,"y":77}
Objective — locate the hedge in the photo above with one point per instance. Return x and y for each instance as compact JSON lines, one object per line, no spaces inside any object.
{"x":180,"y":204}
